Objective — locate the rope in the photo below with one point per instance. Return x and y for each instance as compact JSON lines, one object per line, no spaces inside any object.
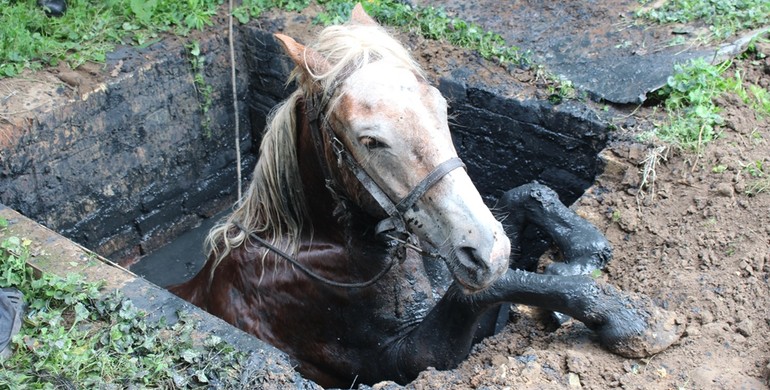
{"x":235,"y":102}
{"x":314,"y":275}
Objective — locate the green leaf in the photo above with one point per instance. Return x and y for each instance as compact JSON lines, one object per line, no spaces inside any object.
{"x":242,"y":14}
{"x":189,"y":355}
{"x":143,"y":9}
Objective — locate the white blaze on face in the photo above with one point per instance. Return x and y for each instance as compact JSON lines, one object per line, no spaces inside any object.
{"x":395,"y":125}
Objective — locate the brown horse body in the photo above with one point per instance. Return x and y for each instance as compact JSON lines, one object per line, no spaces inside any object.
{"x":423,"y":312}
{"x":330,"y":331}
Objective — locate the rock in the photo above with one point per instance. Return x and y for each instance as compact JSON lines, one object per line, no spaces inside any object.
{"x":577,"y":362}
{"x":745,"y":327}
{"x":499,"y":360}
{"x":71,"y":78}
{"x":725,"y":189}
{"x":574,"y":381}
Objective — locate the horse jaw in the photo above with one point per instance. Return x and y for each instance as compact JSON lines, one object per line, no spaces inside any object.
{"x":454,"y":219}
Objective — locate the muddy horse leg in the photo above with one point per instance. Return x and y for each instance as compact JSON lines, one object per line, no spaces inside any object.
{"x":630,"y":327}
{"x":584,"y":249}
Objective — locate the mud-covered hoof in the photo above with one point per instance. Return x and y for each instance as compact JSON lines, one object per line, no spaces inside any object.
{"x":662,"y":329}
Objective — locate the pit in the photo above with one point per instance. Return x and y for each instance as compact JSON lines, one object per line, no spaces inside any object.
{"x":129,"y":164}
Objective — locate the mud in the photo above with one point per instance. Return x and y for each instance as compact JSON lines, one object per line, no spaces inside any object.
{"x":694,"y":241}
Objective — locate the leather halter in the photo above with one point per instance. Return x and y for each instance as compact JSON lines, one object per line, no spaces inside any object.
{"x":394,"y":223}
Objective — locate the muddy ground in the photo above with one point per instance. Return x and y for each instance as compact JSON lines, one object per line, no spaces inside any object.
{"x":692,"y":238}
{"x":695,"y":241}
{"x":692,"y":231}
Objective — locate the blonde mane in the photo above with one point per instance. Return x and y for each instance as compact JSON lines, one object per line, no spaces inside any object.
{"x":274,"y":205}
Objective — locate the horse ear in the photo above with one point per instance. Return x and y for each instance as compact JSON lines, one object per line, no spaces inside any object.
{"x":361,"y":17}
{"x":304,"y":57}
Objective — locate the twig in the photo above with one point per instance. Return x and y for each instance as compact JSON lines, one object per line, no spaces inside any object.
{"x":654,"y":156}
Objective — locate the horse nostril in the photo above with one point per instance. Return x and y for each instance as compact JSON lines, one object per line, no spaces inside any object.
{"x":470,"y":258}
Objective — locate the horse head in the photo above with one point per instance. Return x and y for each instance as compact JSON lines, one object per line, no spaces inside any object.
{"x":381,"y":110}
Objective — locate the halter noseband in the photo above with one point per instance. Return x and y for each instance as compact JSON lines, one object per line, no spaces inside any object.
{"x":394,"y":223}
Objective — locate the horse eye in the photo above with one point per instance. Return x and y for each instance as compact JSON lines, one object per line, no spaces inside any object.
{"x":372,"y":143}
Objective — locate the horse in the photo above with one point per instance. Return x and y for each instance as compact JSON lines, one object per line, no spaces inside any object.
{"x":361,"y":247}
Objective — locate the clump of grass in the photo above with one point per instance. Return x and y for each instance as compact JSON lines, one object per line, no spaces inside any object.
{"x":758,"y":181}
{"x":89,"y":29}
{"x":688,"y":98}
{"x":724,"y":17}
{"x":74,"y":336}
{"x":758,"y":186}
{"x":755,"y":96}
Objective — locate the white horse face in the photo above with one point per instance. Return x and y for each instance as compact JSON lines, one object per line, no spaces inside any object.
{"x":395,"y":126}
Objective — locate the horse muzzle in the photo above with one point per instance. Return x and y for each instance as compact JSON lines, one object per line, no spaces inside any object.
{"x":475,"y":267}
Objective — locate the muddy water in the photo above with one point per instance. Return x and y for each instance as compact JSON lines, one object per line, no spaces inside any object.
{"x":178,"y":261}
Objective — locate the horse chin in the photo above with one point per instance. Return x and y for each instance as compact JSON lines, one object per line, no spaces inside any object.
{"x":475,"y":278}
{"x":469,"y":286}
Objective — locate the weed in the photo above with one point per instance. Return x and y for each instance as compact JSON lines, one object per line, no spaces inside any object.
{"x":719,"y":168}
{"x":560,"y":90}
{"x":755,"y":169}
{"x":649,"y":173}
{"x":758,"y":186}
{"x":254,"y":8}
{"x":202,"y":87}
{"x":73,"y":336}
{"x":689,"y":100}
{"x":756,"y":97}
{"x":756,"y":136}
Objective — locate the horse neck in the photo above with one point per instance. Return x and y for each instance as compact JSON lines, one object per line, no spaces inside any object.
{"x":321,"y":203}
{"x":351,"y":229}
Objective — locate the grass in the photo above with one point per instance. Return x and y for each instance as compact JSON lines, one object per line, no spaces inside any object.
{"x":689,"y":95}
{"x":689,"y":98}
{"x":253,"y":8}
{"x":724,"y":17}
{"x":30,"y":40}
{"x":432,"y":23}
{"x":90,"y":29}
{"x":74,"y":336}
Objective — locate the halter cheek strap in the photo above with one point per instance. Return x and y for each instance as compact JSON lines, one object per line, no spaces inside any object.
{"x":395,"y":222}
